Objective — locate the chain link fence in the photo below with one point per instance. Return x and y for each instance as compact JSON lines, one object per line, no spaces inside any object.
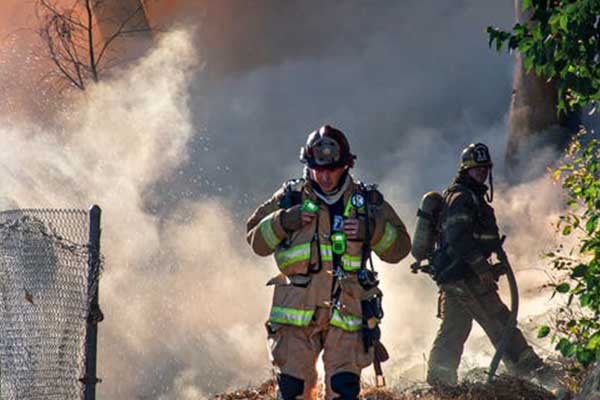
{"x":46,"y":291}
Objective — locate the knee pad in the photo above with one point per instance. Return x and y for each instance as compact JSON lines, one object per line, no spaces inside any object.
{"x":290,"y":387}
{"x":346,"y":385}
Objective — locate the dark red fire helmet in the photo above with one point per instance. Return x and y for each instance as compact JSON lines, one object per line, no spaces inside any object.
{"x":327,"y":148}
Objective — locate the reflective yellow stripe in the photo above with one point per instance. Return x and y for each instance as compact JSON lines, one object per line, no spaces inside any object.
{"x":351,"y":263}
{"x":346,"y":322}
{"x":389,"y":236}
{"x":326,"y":253}
{"x":291,"y":316}
{"x":267,"y":232}
{"x":292,"y":255}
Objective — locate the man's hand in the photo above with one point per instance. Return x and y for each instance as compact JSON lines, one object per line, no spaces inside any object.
{"x":307,"y":217}
{"x":293,"y":218}
{"x":356,"y":228}
{"x":351,"y":228}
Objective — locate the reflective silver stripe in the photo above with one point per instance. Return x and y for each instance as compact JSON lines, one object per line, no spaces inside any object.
{"x":478,"y":259}
{"x":267,"y":232}
{"x":351,"y":263}
{"x":389,"y":236}
{"x":456,"y":219}
{"x":292,"y":255}
{"x":345,"y":322}
{"x":485,"y":236}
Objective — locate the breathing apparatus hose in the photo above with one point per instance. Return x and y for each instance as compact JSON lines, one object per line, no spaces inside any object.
{"x":514,"y":311}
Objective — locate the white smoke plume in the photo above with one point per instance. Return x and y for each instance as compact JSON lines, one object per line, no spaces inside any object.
{"x":177,"y":162}
{"x":171,"y":288}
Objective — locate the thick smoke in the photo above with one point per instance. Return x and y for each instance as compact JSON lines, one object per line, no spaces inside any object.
{"x":181,"y":146}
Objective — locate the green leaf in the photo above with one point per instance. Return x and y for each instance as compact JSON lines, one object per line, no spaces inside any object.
{"x":590,"y":226}
{"x":564,"y":22}
{"x":584,"y":356}
{"x":528,"y":63}
{"x":499,"y":44}
{"x":567,"y":230}
{"x":594,"y":341}
{"x":585,"y":299}
{"x":543,"y":331}
{"x":525,"y":5}
{"x":579,"y":271}
{"x":556,"y":174}
{"x":566,"y":348}
{"x":492,"y":34}
{"x":563,"y":288}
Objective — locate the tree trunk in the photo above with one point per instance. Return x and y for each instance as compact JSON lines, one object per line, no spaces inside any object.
{"x":534,"y":124}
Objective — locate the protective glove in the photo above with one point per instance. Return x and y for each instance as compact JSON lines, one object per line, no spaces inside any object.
{"x":370,"y":337}
{"x":371,"y":313}
{"x":485,"y":273}
{"x":356,"y":228}
{"x":293,"y":218}
{"x":488,"y":280}
{"x":499,"y":269}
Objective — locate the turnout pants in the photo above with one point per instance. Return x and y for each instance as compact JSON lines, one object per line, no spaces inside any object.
{"x":295,"y":350}
{"x":460,"y":303}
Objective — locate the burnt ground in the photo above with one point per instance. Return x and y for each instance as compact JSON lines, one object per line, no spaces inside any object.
{"x":503,"y":388}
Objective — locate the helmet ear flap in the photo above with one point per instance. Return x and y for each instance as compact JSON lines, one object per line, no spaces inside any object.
{"x":350,"y":162}
{"x":303,"y":154}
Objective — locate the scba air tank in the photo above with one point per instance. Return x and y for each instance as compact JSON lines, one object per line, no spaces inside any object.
{"x":426,"y":229}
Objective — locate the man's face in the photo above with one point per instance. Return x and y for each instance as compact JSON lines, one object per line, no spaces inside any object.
{"x":327,"y":179}
{"x":480,"y":174}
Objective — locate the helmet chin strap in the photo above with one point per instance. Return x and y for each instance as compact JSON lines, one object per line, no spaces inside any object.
{"x":334,"y":195}
{"x":490,"y":197}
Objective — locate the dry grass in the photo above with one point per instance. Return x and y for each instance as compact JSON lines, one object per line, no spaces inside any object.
{"x":503,"y":388}
{"x":266,"y":391}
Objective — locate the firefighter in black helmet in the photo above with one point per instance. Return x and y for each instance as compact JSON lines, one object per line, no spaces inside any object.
{"x":324,"y":300}
{"x":468,"y":289}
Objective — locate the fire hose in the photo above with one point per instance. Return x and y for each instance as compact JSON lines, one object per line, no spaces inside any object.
{"x":514,"y":311}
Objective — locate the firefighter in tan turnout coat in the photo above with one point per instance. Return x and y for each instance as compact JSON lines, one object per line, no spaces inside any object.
{"x":321,"y":230}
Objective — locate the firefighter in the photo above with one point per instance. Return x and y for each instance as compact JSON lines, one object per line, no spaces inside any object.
{"x":467,"y":281}
{"x":321,"y":230}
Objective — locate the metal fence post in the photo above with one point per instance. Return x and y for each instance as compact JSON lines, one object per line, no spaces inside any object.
{"x":91,"y":338}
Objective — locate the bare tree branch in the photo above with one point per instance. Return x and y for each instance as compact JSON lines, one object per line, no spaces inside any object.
{"x":65,"y":13}
{"x":121,"y":31}
{"x":57,"y":61}
{"x":68,"y":34}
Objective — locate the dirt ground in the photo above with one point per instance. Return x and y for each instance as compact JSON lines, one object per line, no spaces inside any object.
{"x":503,"y":388}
